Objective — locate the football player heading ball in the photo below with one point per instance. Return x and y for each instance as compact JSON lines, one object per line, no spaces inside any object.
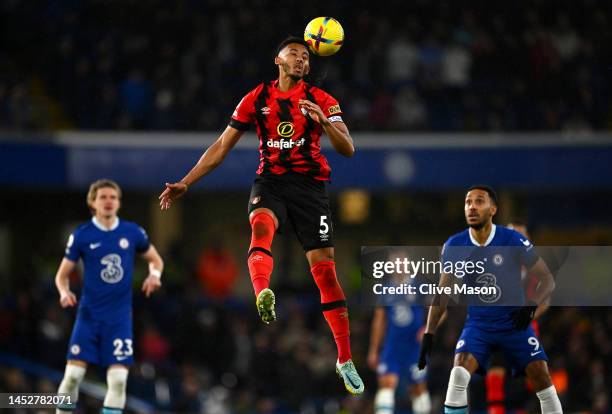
{"x":291,"y":185}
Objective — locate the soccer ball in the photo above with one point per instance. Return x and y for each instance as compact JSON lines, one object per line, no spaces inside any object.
{"x":324,"y":36}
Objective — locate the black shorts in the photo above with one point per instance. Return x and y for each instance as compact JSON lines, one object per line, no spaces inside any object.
{"x":301,"y":199}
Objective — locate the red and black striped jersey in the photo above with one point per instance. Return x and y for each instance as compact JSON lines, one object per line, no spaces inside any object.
{"x":289,"y":140}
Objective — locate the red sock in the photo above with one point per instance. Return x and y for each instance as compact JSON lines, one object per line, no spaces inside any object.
{"x":334,"y":308}
{"x":495,"y":393}
{"x":260,"y":260}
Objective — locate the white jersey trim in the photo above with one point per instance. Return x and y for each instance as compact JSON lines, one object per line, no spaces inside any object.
{"x":489,"y":239}
{"x":101,"y":227}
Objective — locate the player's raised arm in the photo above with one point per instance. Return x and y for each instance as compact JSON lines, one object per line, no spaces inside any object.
{"x":340,"y":138}
{"x":211,"y":159}
{"x":377,"y":334}
{"x":156,"y":267}
{"x":62,"y":282}
{"x":337,"y":132}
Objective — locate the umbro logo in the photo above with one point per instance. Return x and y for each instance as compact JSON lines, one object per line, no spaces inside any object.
{"x":265,"y":110}
{"x":94,"y":246}
{"x":256,"y":258}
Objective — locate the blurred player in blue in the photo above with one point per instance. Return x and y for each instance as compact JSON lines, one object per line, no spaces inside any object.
{"x":102,"y":333}
{"x":489,"y":328}
{"x":401,"y":325}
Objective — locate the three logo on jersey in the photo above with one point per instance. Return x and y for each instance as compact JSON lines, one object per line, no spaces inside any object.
{"x":112,"y":272}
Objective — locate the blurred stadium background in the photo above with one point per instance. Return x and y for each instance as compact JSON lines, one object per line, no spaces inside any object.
{"x":439,"y":95}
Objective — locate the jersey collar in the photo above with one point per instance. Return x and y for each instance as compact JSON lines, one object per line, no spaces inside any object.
{"x":489,"y":239}
{"x":101,"y":227}
{"x":299,"y":87}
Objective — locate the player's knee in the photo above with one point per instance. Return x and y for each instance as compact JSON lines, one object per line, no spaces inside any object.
{"x":322,"y":255}
{"x":72,"y":378}
{"x":262,"y":225}
{"x":466,"y":360}
{"x":387,"y":381}
{"x":72,"y":381}
{"x":538,"y":374}
{"x":459,"y":378}
{"x":116,"y":379}
{"x":260,"y":230}
{"x":541,"y":380}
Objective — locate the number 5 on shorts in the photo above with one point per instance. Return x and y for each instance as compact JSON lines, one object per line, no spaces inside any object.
{"x":324,"y":226}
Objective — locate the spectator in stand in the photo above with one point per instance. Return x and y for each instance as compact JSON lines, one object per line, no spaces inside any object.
{"x":173,"y":66}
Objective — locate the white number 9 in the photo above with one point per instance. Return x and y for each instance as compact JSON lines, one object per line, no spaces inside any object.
{"x":533,"y":341}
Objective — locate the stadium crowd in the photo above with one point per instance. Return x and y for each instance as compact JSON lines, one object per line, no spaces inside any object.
{"x":184,"y":65}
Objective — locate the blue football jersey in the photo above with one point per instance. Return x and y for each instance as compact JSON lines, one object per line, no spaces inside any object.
{"x":403,"y":322}
{"x":404,"y":313}
{"x":108,"y":262}
{"x":504,"y":255}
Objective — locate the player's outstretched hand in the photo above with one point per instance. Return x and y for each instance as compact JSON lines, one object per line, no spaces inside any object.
{"x":522,"y":317}
{"x":313,"y":110}
{"x":425,"y":351}
{"x":67,"y":299}
{"x":150,"y":285}
{"x":171,"y":193}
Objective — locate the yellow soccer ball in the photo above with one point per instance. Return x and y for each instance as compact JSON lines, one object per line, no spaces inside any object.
{"x":324,"y":36}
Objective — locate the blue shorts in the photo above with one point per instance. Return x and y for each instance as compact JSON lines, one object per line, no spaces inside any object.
{"x":102,"y":342}
{"x":519,"y":347}
{"x":402,"y":360}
